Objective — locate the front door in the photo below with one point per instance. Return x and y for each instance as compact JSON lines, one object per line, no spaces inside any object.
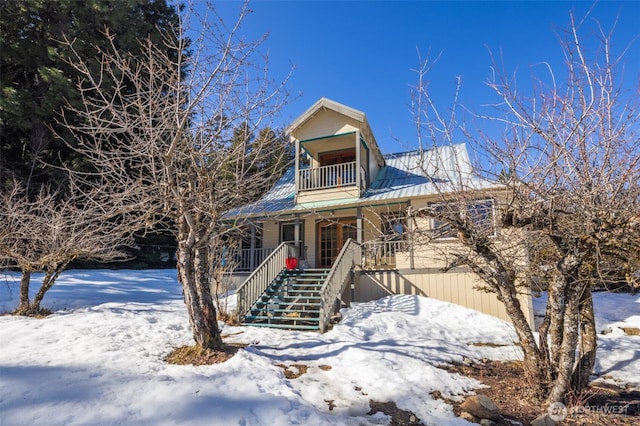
{"x":331,"y":237}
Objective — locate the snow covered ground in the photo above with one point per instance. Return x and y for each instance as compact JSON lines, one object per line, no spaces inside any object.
{"x":99,"y":358}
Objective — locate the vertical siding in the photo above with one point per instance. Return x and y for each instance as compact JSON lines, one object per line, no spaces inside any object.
{"x":460,"y":288}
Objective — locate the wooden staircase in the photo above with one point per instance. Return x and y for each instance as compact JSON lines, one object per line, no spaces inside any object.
{"x":291,"y":301}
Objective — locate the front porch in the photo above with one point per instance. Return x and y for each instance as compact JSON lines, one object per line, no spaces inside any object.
{"x":375,"y":255}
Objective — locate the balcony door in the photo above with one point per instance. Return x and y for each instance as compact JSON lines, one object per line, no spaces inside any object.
{"x":331,"y":237}
{"x":337,"y":157}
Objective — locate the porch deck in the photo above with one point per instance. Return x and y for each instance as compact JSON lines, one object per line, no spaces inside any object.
{"x":375,"y":255}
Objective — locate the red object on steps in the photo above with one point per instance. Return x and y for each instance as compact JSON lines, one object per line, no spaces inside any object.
{"x":291,"y":263}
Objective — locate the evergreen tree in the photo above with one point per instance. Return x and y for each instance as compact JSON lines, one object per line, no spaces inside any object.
{"x":37,"y":80}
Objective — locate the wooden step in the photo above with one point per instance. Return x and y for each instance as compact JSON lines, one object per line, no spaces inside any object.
{"x":289,"y":311}
{"x":299,"y":281}
{"x":280,"y":318}
{"x":300,"y":287}
{"x":283,"y":326}
{"x":288,"y":299}
{"x":291,"y":291}
{"x":303,"y":281}
{"x":261,"y":305}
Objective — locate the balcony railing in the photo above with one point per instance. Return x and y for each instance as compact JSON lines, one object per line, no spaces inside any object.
{"x":334,"y":176}
{"x":382,"y":254}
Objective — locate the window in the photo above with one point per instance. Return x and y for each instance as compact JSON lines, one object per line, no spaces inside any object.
{"x":337,"y":157}
{"x":288,"y":234}
{"x":332,"y":237}
{"x":256,"y":235}
{"x":394,"y":227}
{"x":480,"y":212}
{"x":441,"y":228}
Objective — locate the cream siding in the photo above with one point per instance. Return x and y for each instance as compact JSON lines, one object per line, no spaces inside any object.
{"x":327,"y":194}
{"x":325,"y":123}
{"x":461,"y":288}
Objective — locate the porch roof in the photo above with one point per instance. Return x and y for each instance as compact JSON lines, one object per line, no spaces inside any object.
{"x":405,"y":176}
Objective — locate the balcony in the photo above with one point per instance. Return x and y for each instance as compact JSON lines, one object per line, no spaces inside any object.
{"x":327,"y":177}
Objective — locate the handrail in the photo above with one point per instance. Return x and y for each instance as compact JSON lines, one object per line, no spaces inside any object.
{"x":350,"y":255}
{"x":257,"y":282}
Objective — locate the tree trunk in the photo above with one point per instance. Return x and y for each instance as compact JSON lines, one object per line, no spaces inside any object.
{"x":588,"y":342}
{"x":504,"y":284}
{"x":193,"y":275}
{"x":23,"y":306}
{"x":545,"y":353}
{"x":533,"y":365}
{"x":556,"y":310}
{"x":567,"y":351}
{"x":50,"y":277}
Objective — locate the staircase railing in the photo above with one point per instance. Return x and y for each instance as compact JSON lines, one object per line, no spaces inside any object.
{"x":257,"y":282}
{"x":350,"y":255}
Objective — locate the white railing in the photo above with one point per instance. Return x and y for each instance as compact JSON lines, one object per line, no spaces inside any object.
{"x":258,"y":281}
{"x":245,"y":259}
{"x":334,"y":176}
{"x":350,"y":255}
{"x":382,"y":253}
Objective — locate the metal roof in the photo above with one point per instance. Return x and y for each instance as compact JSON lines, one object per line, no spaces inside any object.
{"x":405,"y":176}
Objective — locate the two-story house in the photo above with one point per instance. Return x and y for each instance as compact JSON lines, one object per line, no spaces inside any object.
{"x":341,"y":217}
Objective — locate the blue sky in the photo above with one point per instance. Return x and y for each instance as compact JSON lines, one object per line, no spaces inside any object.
{"x":361,"y":53}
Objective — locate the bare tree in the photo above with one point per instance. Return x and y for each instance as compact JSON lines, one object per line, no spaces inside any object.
{"x":47,"y":232}
{"x":567,"y":180}
{"x":163,"y":145}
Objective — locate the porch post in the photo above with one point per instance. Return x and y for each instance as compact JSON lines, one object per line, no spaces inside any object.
{"x":252,"y":248}
{"x":297,"y":169}
{"x":296,"y":236}
{"x":410,"y":229}
{"x":359,"y":227}
{"x":358,"y":181}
